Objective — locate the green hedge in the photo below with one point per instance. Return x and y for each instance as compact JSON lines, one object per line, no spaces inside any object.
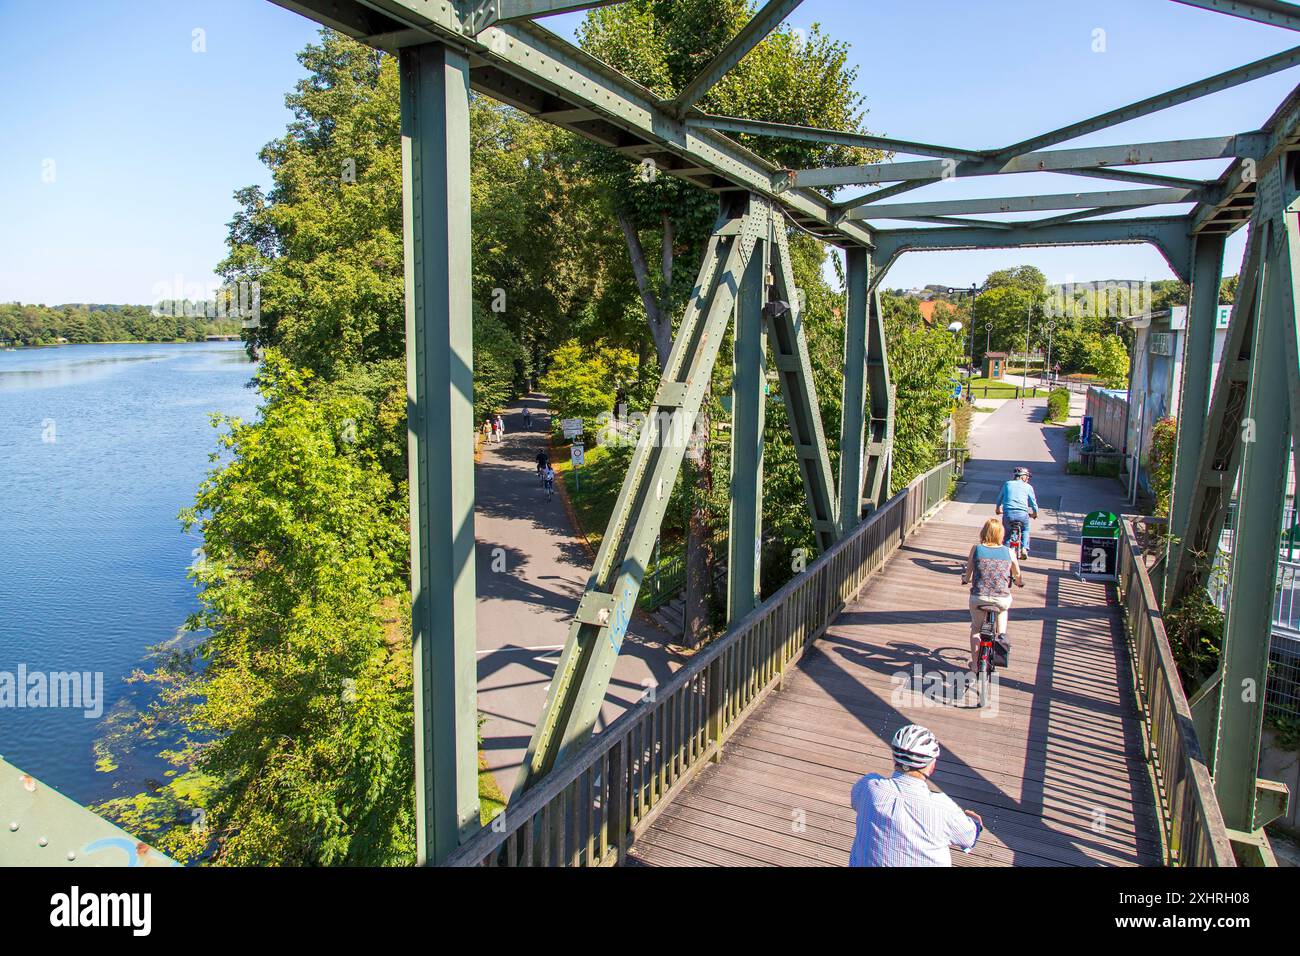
{"x":1058,"y":405}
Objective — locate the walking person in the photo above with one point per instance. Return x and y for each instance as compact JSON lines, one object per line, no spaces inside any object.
{"x":487,"y":430}
{"x":900,"y":820}
{"x":528,"y":419}
{"x":501,"y":426}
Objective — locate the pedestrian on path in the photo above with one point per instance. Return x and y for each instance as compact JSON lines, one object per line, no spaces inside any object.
{"x":487,"y":430}
{"x":901,"y":822}
{"x":501,"y":426}
{"x":528,"y":419}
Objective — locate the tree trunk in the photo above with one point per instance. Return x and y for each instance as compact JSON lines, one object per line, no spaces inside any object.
{"x":659,"y":316}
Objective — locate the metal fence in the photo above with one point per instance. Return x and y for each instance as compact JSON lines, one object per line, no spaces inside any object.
{"x":1282,"y":696}
{"x":591,"y":807}
{"x":1193,"y":828}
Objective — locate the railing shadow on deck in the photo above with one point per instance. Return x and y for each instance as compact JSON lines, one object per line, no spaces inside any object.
{"x":589,"y":809}
{"x":1194,"y":833}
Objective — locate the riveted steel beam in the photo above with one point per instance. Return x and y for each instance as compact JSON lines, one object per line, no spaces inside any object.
{"x":958,"y":207}
{"x":440,"y":430}
{"x":1045,"y":161}
{"x":582,"y":677}
{"x":735,"y":124}
{"x":1273,"y":12}
{"x":1169,"y":234}
{"x":1265,"y":66}
{"x":751,"y":35}
{"x":478,"y":15}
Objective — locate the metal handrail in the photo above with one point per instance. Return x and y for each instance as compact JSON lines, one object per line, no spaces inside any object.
{"x":1192,"y":825}
{"x":589,"y":809}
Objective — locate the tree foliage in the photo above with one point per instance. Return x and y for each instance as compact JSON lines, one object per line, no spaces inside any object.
{"x":296,"y":703}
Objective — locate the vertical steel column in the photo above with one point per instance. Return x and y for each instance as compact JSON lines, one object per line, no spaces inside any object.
{"x":853,"y":420}
{"x":440,"y":432}
{"x":880,"y":392}
{"x":749,"y":376}
{"x":789,"y":347}
{"x":1194,"y":388}
{"x":1248,"y":625}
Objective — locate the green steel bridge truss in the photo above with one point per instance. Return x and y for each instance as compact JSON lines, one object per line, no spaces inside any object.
{"x":449,"y":47}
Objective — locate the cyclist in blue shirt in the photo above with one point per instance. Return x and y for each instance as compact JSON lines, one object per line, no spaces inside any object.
{"x":1017,"y":502}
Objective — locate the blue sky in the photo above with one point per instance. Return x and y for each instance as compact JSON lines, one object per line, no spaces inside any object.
{"x":149,"y":139}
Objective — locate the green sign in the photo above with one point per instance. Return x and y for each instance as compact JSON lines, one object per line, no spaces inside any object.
{"x":1100,"y":524}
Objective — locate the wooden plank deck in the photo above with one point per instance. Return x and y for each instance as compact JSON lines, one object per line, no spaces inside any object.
{"x":1055,"y":767}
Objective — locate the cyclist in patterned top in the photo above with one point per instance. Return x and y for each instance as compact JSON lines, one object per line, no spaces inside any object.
{"x":990,"y":569}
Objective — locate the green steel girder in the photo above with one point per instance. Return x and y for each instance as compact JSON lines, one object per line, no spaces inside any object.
{"x":1167,"y":233}
{"x":789,"y":348}
{"x":440,"y":430}
{"x":1073,"y":160}
{"x":1248,"y":620}
{"x":853,"y":417}
{"x":736,"y":124}
{"x":532,"y":69}
{"x":1265,"y":66}
{"x":1194,"y":388}
{"x":478,"y":15}
{"x":1205,"y":497}
{"x":751,"y":35}
{"x":748,"y":407}
{"x":1098,"y":200}
{"x":578,"y":687}
{"x":1273,"y":12}
{"x":879,"y":466}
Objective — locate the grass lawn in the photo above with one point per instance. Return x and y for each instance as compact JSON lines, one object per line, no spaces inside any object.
{"x":596,"y":488}
{"x":491,"y":800}
{"x":996,"y":388}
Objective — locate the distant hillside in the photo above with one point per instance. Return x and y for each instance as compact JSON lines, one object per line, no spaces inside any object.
{"x":86,"y":323}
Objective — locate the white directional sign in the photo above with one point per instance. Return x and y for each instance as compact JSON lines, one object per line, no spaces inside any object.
{"x":572,"y":427}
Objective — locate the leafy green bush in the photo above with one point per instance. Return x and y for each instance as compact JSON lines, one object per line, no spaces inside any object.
{"x":1195,"y":631}
{"x":1161,"y":465}
{"x":1058,"y":405}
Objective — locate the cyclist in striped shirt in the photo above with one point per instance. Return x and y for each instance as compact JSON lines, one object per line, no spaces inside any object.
{"x":901,"y":821}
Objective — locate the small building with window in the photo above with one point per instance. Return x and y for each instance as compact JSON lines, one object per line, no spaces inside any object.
{"x":995,"y":364}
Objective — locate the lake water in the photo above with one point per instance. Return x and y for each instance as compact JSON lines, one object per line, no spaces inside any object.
{"x":100,"y":447}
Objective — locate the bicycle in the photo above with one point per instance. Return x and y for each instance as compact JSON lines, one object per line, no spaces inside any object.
{"x":548,"y":482}
{"x":1017,"y":527}
{"x":994,"y":651}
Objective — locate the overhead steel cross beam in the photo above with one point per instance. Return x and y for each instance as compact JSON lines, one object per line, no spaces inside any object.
{"x":526,"y":66}
{"x":751,"y":35}
{"x":1273,"y":12}
{"x":1055,"y":160}
{"x":737,"y":124}
{"x":481,"y":14}
{"x":956,"y":207}
{"x":1161,"y":101}
{"x":1167,"y":233}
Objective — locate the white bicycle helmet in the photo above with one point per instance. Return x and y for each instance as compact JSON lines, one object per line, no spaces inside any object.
{"x":914,"y":747}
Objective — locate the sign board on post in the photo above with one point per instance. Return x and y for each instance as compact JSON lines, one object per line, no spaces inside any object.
{"x":1085,"y":431}
{"x":577,"y":455}
{"x":1099,"y":550}
{"x":572,"y":427}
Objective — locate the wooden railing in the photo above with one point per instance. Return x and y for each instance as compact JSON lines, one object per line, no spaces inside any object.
{"x":589,"y":809}
{"x":1194,"y":831}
